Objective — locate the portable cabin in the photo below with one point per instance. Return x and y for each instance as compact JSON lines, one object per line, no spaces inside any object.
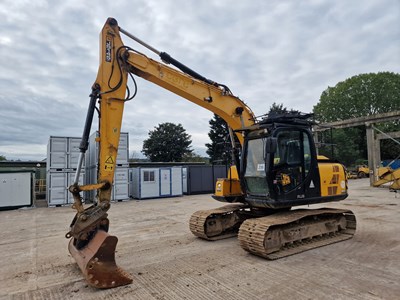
{"x":16,"y":189}
{"x":155,"y":182}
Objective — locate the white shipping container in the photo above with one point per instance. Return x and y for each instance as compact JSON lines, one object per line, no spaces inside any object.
{"x":63,"y":153}
{"x":57,"y":149}
{"x":121,"y":184}
{"x":92,"y":156}
{"x":57,"y":186}
{"x":123,"y":149}
{"x":120,"y":189}
{"x":16,"y":189}
{"x":155,"y":182}
{"x":74,"y":152}
{"x":71,"y":178}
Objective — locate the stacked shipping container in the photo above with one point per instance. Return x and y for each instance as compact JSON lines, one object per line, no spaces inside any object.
{"x":62,"y":160}
{"x":121,"y":183}
{"x":139,"y":183}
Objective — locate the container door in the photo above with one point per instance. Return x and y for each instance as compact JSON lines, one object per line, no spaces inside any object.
{"x":200,"y":180}
{"x":176,"y":181}
{"x":165,"y":182}
{"x":74,"y":152}
{"x":184,"y":180}
{"x":57,"y":188}
{"x":123,"y":151}
{"x":130,"y":182}
{"x":57,"y":153}
{"x":93,"y":153}
{"x":121,"y":186}
{"x":71,"y":178}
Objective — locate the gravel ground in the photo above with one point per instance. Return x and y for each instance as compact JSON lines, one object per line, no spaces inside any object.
{"x":168,"y":262}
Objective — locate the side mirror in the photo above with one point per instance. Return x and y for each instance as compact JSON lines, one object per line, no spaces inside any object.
{"x":271,"y":144}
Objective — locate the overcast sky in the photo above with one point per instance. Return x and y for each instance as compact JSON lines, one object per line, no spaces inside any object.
{"x":265,"y":51}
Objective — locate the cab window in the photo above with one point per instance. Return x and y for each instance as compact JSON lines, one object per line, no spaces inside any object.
{"x":255,"y":174}
{"x":291,"y":160}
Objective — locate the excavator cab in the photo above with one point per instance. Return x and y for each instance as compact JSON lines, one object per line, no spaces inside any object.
{"x":279,"y":170}
{"x":279,"y":167}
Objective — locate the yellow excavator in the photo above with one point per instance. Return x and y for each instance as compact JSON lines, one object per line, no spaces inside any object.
{"x":275,"y":168}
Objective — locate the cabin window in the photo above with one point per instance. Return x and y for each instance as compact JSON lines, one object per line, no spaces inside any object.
{"x":149,"y":176}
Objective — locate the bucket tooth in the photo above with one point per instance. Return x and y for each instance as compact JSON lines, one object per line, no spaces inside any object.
{"x":97,"y":261}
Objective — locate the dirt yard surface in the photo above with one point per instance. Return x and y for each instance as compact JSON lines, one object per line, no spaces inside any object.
{"x":168,"y":262}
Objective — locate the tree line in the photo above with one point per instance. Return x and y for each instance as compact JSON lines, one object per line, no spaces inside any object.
{"x":358,"y":96}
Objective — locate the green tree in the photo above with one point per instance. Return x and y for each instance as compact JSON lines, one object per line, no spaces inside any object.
{"x":168,"y":142}
{"x":336,"y":144}
{"x":220,"y":148}
{"x":280,"y":109}
{"x":193,"y":157}
{"x":360,"y":95}
{"x":3,"y":158}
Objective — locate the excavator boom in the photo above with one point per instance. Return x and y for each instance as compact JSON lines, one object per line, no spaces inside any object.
{"x":91,"y":246}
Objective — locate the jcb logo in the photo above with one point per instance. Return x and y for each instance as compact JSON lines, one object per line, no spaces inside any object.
{"x":108,"y":49}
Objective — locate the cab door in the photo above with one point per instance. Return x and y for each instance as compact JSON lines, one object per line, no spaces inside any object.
{"x":292,"y":162}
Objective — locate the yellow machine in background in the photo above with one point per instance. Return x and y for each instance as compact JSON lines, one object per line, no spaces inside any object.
{"x":388,"y":175}
{"x":275,"y":168}
{"x":362,"y":171}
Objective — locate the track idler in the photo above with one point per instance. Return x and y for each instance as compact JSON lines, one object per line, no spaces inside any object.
{"x":97,"y":261}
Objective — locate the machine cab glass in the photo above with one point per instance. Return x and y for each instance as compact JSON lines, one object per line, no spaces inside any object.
{"x":288,"y":167}
{"x":255,"y":174}
{"x":291,"y":161}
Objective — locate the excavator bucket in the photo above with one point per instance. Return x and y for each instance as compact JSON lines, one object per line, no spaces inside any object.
{"x":97,"y":262}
